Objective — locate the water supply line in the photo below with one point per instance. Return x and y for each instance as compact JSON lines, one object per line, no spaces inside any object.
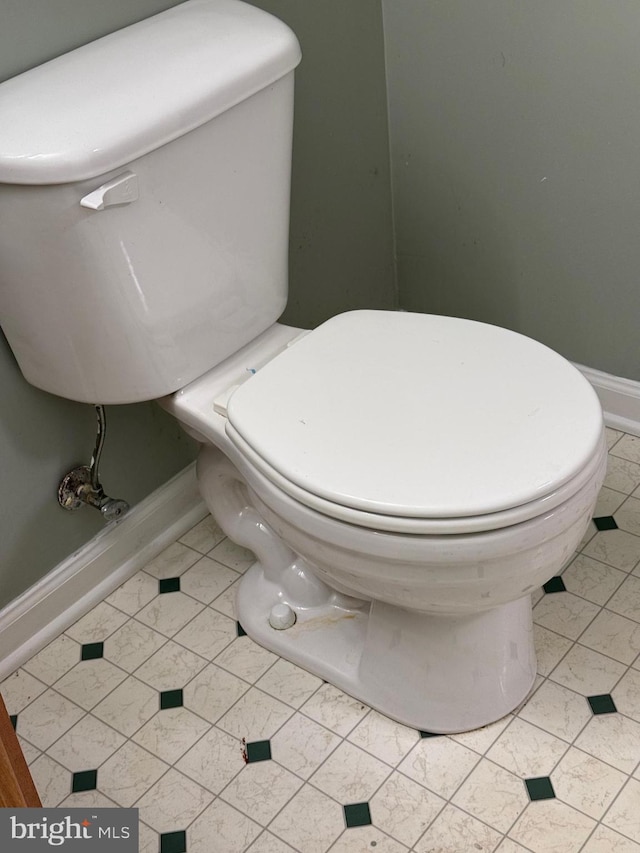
{"x":82,"y":484}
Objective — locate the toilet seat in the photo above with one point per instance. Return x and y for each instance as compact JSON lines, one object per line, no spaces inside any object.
{"x":502,"y":430}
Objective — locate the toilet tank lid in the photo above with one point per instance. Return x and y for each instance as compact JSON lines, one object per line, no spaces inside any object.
{"x":115,"y":99}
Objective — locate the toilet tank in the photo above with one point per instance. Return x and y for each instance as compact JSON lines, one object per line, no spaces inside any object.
{"x":144,"y":201}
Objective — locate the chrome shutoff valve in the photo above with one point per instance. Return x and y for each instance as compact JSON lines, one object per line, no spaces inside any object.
{"x":82,"y":484}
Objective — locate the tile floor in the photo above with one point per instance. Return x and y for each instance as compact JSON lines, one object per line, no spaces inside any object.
{"x":157,"y":699}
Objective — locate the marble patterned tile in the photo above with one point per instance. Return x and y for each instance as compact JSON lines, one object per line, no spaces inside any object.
{"x":626,"y":694}
{"x":592,"y":579}
{"x":172,"y":562}
{"x":479,"y":740}
{"x":213,"y":761}
{"x":52,"y":781}
{"x":226,"y":603}
{"x":627,"y":447}
{"x":213,"y":692}
{"x":608,"y":502}
{"x":89,"y":682}
{"x":617,"y":548}
{"x":57,"y":658}
{"x":440,"y":764}
{"x":385,"y":739}
{"x":204,"y":536}
{"x":526,"y":750}
{"x":510,"y":846}
{"x":628,"y":516}
{"x":622,"y":474}
{"x":612,"y":436}
{"x":288,"y":683}
{"x":232,"y":830}
{"x":334,"y":709}
{"x":29,"y":751}
{"x":586,"y":783}
{"x":268,"y":843}
{"x":171,"y":667}
{"x":605,"y":840}
{"x":557,"y":710}
{"x":129,"y":773}
{"x":19,"y":690}
{"x":550,"y":648}
{"x":255,"y":716}
{"x":261,"y":789}
{"x":129,"y":706}
{"x":301,"y":745}
{"x":454,"y":831}
{"x":403,"y":809}
{"x":86,"y":745}
{"x":626,"y":601}
{"x":132,"y":644}
{"x":88,"y":800}
{"x":350,"y":775}
{"x":208,"y":633}
{"x":565,"y":613}
{"x":47,"y":718}
{"x":98,"y":624}
{"x":207,"y":579}
{"x":169,"y":613}
{"x":553,"y":827}
{"x":246,"y":659}
{"x":170,"y":733}
{"x":588,"y":672}
{"x":477,"y":795}
{"x":366,"y":839}
{"x":614,"y":739}
{"x":614,"y":636}
{"x":233,"y":556}
{"x":310,"y":822}
{"x":173,"y":802}
{"x":148,"y":839}
{"x":134,"y":594}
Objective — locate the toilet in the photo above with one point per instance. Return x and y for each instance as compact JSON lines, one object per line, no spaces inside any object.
{"x":405,"y":481}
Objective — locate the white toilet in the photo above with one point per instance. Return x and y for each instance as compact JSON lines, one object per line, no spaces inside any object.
{"x":406,"y":481}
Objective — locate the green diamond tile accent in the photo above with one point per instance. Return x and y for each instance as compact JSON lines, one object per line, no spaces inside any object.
{"x":605,"y":522}
{"x":602,"y":704}
{"x":92,"y":651}
{"x":240,"y":630}
{"x":357,"y":814}
{"x":258,"y":750}
{"x":171,"y":699}
{"x":173,"y":842}
{"x":85,"y":780}
{"x":540,"y":788}
{"x":555,"y":585}
{"x":169,"y":585}
{"x":14,"y":720}
{"x":430,"y":734}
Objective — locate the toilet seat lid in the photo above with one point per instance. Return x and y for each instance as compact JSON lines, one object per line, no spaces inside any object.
{"x":419,"y":416}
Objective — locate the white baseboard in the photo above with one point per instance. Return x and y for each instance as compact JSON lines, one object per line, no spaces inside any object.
{"x":84,"y":578}
{"x":620,"y":399}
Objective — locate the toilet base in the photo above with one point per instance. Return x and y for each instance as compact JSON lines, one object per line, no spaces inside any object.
{"x":436,"y":673}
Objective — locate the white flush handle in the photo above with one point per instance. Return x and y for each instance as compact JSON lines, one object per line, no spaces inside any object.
{"x":120,"y":190}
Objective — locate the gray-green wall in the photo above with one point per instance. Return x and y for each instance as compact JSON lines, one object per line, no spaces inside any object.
{"x":341,"y":258}
{"x":515,"y":140}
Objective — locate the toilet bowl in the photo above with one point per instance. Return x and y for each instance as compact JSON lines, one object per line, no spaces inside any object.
{"x":424,"y":615}
{"x":405,"y":480}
